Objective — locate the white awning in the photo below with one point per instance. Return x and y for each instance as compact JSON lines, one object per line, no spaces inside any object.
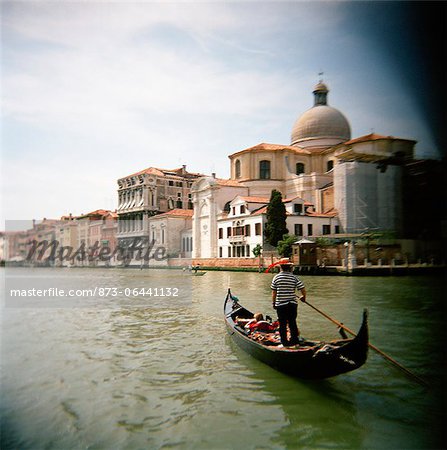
{"x":304,"y":241}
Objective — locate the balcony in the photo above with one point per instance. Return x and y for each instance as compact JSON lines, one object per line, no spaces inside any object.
{"x":237,"y":238}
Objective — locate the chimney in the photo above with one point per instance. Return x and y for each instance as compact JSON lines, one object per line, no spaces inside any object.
{"x":213,"y":174}
{"x":184,"y":168}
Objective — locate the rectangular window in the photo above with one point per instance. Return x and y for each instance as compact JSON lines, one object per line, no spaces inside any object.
{"x":326,"y":229}
{"x":337,"y":229}
{"x":310,"y":231}
{"x":298,"y":208}
{"x":228,"y":231}
{"x":298,"y":229}
{"x":247,"y":230}
{"x":238,"y":231}
{"x":264,"y":170}
{"x":220,"y":252}
{"x":242,"y":209}
{"x":234,"y":210}
{"x":257,"y":229}
{"x":220,"y":233}
{"x":229,"y":252}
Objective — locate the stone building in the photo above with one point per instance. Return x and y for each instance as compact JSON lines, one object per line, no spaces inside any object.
{"x":147,"y":193}
{"x":166,"y":230}
{"x":87,"y":235}
{"x":343,"y":184}
{"x":241,"y":225}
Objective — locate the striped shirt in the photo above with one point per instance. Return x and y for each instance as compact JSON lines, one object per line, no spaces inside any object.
{"x":285,"y":284}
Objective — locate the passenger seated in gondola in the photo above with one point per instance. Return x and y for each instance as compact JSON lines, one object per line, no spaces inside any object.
{"x":257,"y":324}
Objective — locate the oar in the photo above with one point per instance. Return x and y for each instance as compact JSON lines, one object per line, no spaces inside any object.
{"x":380,"y":352}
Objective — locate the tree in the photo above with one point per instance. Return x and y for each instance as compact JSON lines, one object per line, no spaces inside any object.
{"x":275,"y":228}
{"x":257,"y":251}
{"x":285,"y":245}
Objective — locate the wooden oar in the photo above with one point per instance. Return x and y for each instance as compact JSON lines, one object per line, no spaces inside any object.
{"x":380,"y":352}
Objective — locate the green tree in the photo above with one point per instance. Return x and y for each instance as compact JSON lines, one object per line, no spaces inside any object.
{"x":285,"y":245}
{"x":257,"y":251}
{"x":275,"y":228}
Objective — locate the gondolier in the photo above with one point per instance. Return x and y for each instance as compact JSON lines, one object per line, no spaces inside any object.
{"x":284,"y":286}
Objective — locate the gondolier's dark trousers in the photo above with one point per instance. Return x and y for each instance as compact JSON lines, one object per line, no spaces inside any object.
{"x":287,"y":316}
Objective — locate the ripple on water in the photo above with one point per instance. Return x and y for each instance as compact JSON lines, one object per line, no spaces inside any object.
{"x":158,"y":377}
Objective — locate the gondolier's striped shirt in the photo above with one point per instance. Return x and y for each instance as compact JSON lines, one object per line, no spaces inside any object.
{"x":285,"y":284}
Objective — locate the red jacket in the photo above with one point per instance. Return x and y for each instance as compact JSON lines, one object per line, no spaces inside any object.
{"x":263,"y":325}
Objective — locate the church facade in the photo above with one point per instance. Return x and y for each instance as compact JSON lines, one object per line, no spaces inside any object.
{"x":330,"y":184}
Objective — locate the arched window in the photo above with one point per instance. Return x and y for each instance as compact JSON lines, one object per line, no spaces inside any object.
{"x":330,"y":165}
{"x":264,"y":170}
{"x":237,"y":168}
{"x":299,"y":168}
{"x":227,"y":207}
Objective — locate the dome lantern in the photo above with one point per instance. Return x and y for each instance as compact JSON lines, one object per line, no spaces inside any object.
{"x":320,"y":94}
{"x":321,"y":126}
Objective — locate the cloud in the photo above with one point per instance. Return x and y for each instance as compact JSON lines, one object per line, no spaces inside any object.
{"x":105,"y":89}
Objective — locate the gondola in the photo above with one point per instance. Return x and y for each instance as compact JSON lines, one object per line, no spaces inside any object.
{"x":310,"y":359}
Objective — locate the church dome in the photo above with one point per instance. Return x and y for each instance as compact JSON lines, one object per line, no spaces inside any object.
{"x":321,"y":125}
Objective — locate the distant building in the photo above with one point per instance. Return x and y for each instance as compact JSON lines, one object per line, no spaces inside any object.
{"x":167,"y":231}
{"x":66,"y":233}
{"x":331,"y":184}
{"x":150,"y":192}
{"x":368,"y":183}
{"x":3,"y":241}
{"x":72,"y":240}
{"x":95,"y":234}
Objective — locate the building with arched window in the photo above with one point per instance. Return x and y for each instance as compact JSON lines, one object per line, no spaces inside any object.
{"x":335,"y":177}
{"x":237,"y":169}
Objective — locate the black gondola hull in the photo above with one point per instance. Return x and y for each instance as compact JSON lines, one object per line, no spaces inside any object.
{"x":319,"y":362}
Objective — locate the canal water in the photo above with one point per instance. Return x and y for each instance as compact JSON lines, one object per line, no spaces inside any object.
{"x":160,"y":372}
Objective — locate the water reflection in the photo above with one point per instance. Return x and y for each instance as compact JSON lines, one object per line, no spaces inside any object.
{"x":316,"y":413}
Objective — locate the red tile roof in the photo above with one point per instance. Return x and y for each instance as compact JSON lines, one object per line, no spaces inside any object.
{"x":259,"y":211}
{"x":255,"y":199}
{"x":373,"y":137}
{"x":326,"y":214}
{"x":176,"y":213}
{"x":288,"y":200}
{"x":180,"y":172}
{"x":224,"y":182}
{"x":263,"y":146}
{"x":98,"y":212}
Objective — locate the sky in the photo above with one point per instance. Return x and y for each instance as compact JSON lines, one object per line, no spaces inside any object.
{"x":94,"y":91}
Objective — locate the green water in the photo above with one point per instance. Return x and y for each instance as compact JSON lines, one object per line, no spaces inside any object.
{"x":109,"y":374}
